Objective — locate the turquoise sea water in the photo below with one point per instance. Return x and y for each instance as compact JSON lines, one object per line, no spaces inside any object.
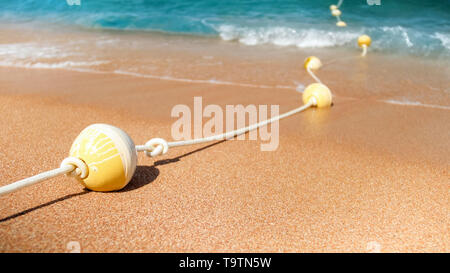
{"x":413,"y":27}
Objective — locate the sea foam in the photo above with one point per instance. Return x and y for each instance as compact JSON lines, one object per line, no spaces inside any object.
{"x":286,"y":36}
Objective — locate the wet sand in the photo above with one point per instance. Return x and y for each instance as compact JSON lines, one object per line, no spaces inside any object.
{"x":361,"y":176}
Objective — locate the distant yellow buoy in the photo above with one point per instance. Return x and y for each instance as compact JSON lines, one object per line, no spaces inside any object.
{"x":109,"y":154}
{"x":336,"y":12}
{"x":313,"y":63}
{"x":364,"y":40}
{"x":341,"y":24}
{"x":333,"y":7}
{"x":320,"y":93}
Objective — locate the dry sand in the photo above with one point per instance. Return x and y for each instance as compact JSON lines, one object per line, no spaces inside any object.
{"x":361,"y":176}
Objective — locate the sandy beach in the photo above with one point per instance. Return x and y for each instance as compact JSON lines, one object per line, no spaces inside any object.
{"x":362,"y":176}
{"x":369,"y":174}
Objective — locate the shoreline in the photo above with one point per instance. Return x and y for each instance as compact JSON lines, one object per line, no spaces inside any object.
{"x":385,"y":77}
{"x":359,"y":172}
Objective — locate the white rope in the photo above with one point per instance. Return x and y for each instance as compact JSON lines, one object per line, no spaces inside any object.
{"x":154,"y":147}
{"x":339,"y":3}
{"x":157,"y":146}
{"x":308,"y":69}
{"x":70,"y":165}
{"x":364,"y":52}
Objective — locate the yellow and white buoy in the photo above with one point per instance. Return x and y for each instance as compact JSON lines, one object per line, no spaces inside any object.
{"x":336,"y":12}
{"x":319,"y":93}
{"x":109,"y":154}
{"x":364,"y":42}
{"x":312,"y":63}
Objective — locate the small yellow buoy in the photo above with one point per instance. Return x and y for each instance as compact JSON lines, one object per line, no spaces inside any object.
{"x":364,"y":40}
{"x":109,"y":154}
{"x":313,"y":63}
{"x":333,"y":7}
{"x":336,"y":12}
{"x":341,"y":24}
{"x":320,"y":93}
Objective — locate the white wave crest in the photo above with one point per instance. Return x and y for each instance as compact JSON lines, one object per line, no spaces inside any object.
{"x":443,"y":38}
{"x":398,"y":30}
{"x":58,"y":65}
{"x":32,"y":51}
{"x":42,"y":56}
{"x":285,"y":36}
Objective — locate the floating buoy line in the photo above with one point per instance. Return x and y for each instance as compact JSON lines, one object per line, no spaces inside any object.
{"x":364,"y":41}
{"x":104,"y":157}
{"x":337,"y":13}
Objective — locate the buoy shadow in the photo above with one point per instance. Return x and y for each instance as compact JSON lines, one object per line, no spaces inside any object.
{"x":85,"y":191}
{"x":143,"y":175}
{"x":178,"y":158}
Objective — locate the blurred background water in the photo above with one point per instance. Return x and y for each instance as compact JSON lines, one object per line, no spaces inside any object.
{"x":413,"y":27}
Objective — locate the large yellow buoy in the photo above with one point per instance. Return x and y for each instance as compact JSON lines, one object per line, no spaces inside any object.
{"x":336,"y":12}
{"x":364,"y":40}
{"x":313,"y":63}
{"x":333,"y":7}
{"x":109,"y":154}
{"x":319,"y":92}
{"x":341,"y":24}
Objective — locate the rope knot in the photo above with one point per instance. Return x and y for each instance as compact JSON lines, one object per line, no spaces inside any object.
{"x":80,"y":168}
{"x":155,"y":147}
